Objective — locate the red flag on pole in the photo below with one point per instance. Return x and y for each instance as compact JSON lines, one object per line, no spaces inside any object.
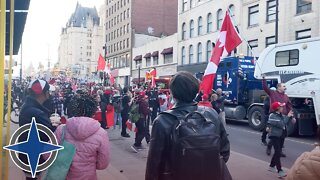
{"x":227,"y":41}
{"x":101,"y":63}
{"x":153,"y":72}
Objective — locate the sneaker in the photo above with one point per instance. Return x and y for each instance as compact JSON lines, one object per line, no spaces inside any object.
{"x":272,"y":169}
{"x":125,"y":135}
{"x":268,"y":151}
{"x":135,"y":148}
{"x":282,"y":174}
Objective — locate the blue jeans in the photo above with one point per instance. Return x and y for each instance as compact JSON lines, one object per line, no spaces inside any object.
{"x":117,"y":118}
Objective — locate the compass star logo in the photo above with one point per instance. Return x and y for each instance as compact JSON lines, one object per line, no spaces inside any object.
{"x":33,"y":147}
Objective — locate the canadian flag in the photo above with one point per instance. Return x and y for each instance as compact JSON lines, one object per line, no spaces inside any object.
{"x":227,"y":41}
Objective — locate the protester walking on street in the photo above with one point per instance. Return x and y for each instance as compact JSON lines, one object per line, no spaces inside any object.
{"x":266,"y":107}
{"x":126,"y":103}
{"x":162,"y":162}
{"x":278,"y":96}
{"x":220,"y":103}
{"x":141,"y":125}
{"x":33,"y":108}
{"x":90,"y":140}
{"x":277,"y":127}
{"x":307,"y":166}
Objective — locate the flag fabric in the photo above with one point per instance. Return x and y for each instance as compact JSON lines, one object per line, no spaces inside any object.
{"x":108,"y":72}
{"x":153,"y":82}
{"x":153,"y":72}
{"x":227,"y":41}
{"x":101,"y":63}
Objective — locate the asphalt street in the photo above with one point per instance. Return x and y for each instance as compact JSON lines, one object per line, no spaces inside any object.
{"x":246,"y":141}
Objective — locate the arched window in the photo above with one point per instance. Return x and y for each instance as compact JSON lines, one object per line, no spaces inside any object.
{"x":190,"y":54}
{"x":209,"y":23}
{"x":219,"y":19}
{"x":199,"y":26}
{"x":232,"y":10}
{"x":191,"y":28}
{"x":183,"y":55}
{"x":199,"y":53}
{"x":184,"y":31}
{"x":209,"y":50}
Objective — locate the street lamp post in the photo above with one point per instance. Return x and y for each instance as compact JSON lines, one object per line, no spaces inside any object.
{"x":139,"y":68}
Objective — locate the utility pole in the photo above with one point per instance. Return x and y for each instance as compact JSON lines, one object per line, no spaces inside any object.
{"x":277,"y":22}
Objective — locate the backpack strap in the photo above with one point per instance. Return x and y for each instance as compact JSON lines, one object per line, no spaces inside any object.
{"x":63,"y":132}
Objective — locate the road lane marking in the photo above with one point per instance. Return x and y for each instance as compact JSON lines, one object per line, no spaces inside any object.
{"x":288,"y":138}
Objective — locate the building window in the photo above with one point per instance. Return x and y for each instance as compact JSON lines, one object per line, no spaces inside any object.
{"x":253,"y":15}
{"x":138,"y":63}
{"x":184,"y":31}
{"x":190,"y":54}
{"x":191,"y":4}
{"x":120,"y":31}
{"x":304,"y":6}
{"x":124,"y":29}
{"x":148,"y":61}
{"x":168,"y":58}
{"x":219,"y":19}
{"x":270,"y":40}
{"x":209,"y":23}
{"x":128,"y":13}
{"x":199,"y":53}
{"x":128,"y":28}
{"x":128,"y":43}
{"x":120,"y":45}
{"x":155,"y":60}
{"x":124,"y":15}
{"x":199,"y":26}
{"x":184,"y":5}
{"x":121,"y":17}
{"x":271,"y":10}
{"x":127,"y":57}
{"x":124,"y":44}
{"x":232,"y":10}
{"x":303,"y":34}
{"x":191,"y":29}
{"x":253,"y":44}
{"x":287,"y":58}
{"x":209,"y":50}
{"x":183,"y":55}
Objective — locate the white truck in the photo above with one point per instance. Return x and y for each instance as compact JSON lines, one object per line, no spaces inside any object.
{"x":297,"y":64}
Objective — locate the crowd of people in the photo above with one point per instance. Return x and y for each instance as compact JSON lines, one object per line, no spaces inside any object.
{"x":188,"y":135}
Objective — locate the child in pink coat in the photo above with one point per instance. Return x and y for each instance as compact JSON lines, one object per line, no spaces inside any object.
{"x":90,"y":140}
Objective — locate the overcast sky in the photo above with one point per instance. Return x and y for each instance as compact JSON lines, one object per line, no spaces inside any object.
{"x":43,"y":27}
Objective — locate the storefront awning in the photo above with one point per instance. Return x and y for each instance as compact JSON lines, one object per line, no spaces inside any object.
{"x":167,"y":51}
{"x":138,"y":58}
{"x":20,"y":16}
{"x":155,"y":54}
{"x":148,"y":55}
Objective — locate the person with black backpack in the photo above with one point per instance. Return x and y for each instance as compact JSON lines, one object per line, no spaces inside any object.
{"x":187,"y":142}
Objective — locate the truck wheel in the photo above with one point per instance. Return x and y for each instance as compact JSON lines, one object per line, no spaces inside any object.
{"x":256,"y":118}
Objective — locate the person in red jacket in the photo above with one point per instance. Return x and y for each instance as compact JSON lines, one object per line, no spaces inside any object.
{"x":277,"y":96}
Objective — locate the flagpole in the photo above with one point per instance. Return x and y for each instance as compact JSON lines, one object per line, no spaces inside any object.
{"x":248,"y":45}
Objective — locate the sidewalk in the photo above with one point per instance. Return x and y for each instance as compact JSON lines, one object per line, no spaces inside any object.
{"x":127,"y":165}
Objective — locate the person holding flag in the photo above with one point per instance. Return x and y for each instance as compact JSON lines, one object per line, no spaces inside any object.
{"x":227,"y":41}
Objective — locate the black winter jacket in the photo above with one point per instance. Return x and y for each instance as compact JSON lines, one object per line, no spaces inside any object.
{"x":158,"y":163}
{"x":32,"y":108}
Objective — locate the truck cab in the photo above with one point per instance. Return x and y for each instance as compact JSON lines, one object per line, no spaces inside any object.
{"x":235,"y":75}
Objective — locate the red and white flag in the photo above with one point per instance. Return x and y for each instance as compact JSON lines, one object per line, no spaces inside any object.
{"x":227,"y":41}
{"x":108,"y":71}
{"x":153,"y":82}
{"x":101,"y":63}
